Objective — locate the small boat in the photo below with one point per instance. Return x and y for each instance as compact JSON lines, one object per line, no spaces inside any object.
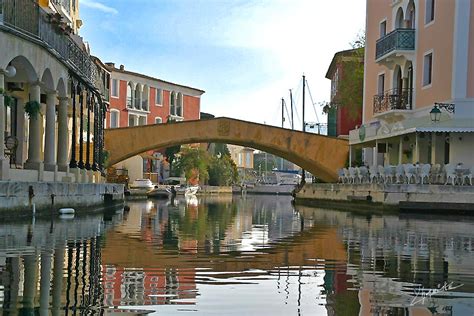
{"x":187,"y":190}
{"x":192,"y":190}
{"x":142,"y":184}
{"x":159,"y":193}
{"x":66,"y":210}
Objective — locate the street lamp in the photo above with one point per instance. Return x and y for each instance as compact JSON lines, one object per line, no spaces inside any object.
{"x":435,"y":113}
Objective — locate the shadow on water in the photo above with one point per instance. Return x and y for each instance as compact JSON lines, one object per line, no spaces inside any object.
{"x":234,"y":256}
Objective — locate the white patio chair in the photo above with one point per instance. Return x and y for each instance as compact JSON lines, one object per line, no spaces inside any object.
{"x":363,"y":174}
{"x":409,"y":172}
{"x":400,"y":174}
{"x":347,"y":176}
{"x":341,"y":178}
{"x":352,"y":174}
{"x":450,"y":171}
{"x":388,"y":174}
{"x":435,"y":173}
{"x":382,"y":174}
{"x":425,"y":173}
{"x":468,"y":176}
{"x":373,"y":174}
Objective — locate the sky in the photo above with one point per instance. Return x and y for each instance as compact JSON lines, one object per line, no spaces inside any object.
{"x":246,"y":54}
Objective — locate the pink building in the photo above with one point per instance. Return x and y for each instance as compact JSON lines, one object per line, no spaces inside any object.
{"x":138,"y":99}
{"x":419,"y":83}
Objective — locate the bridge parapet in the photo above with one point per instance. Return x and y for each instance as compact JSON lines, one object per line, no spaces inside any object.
{"x":321,"y":155}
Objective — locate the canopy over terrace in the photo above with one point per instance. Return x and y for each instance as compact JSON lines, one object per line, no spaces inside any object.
{"x":416,"y":140}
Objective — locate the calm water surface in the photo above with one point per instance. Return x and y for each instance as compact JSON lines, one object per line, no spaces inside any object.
{"x":236,"y":256}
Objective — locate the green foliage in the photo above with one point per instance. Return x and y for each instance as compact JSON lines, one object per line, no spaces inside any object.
{"x":191,"y":160}
{"x":221,"y":149}
{"x":171,"y":152}
{"x":350,"y":85}
{"x":32,"y":108}
{"x":105,"y":157}
{"x":8,"y":100}
{"x":222,"y":170}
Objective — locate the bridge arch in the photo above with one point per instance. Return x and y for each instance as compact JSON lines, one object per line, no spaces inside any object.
{"x":320,"y":155}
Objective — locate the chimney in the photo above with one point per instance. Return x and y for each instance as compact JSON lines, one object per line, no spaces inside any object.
{"x":122,"y":67}
{"x":111,"y":65}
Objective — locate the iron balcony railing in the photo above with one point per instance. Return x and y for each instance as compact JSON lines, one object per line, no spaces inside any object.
{"x":399,"y":39}
{"x":396,"y":99}
{"x":26,"y":17}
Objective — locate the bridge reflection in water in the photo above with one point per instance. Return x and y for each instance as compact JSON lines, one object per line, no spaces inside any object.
{"x":235,"y":256}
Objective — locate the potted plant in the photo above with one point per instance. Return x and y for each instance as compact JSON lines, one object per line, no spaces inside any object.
{"x":7,"y":99}
{"x":32,"y":108}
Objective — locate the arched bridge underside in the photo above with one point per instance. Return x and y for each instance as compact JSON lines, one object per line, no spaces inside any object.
{"x":320,"y":155}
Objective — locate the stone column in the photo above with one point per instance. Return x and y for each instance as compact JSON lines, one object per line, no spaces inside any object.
{"x":34,"y":137}
{"x":4,"y":164}
{"x":20,"y":130}
{"x":63,"y":134}
{"x":400,"y":151}
{"x":88,"y":141}
{"x":50,"y":133}
{"x":73,"y":162}
{"x":81,"y":130}
{"x":376,"y":153}
{"x":96,"y":135}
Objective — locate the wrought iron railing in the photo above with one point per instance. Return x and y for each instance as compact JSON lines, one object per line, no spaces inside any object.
{"x":26,"y":17}
{"x":399,"y":39}
{"x":396,"y":99}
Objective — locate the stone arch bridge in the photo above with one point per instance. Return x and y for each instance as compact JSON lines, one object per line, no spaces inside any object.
{"x":320,"y":155}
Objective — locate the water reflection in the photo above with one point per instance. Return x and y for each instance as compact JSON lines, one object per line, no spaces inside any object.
{"x":236,"y":256}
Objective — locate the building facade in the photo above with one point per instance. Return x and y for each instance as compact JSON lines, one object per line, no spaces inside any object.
{"x":344,"y":117}
{"x":52,"y":105}
{"x":137,"y":99}
{"x":418,"y":83}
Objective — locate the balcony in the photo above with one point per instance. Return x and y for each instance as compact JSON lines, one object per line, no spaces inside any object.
{"x":27,"y":19}
{"x":399,"y":40}
{"x":393,"y":100}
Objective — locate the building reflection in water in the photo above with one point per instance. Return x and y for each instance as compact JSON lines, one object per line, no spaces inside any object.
{"x":236,"y":255}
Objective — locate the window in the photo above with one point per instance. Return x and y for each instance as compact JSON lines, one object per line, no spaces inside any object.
{"x":381,"y":84}
{"x":430,"y":11}
{"x":115,"y":88}
{"x":179,"y":104}
{"x":114,"y":118}
{"x":240,"y":160}
{"x":158,"y":120}
{"x":172,"y":103}
{"x":427,"y":69}
{"x":334,"y":83}
{"x":142,"y":120}
{"x":248,"y":160}
{"x":159,"y":97}
{"x":129,"y":96}
{"x":131,"y":120}
{"x":383,"y":28}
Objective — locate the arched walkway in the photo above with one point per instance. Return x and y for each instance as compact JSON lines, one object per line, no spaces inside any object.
{"x":320,"y":155}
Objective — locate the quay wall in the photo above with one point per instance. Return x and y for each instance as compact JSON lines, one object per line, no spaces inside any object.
{"x":402,"y":196}
{"x":15,"y":196}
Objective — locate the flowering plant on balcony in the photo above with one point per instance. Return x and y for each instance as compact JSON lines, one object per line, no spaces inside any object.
{"x":59,"y":26}
{"x":7,"y":99}
{"x":32,"y":108}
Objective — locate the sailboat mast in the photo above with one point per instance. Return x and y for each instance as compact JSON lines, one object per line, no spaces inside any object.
{"x":282,"y":112}
{"x":291,"y":103}
{"x":303,"y":175}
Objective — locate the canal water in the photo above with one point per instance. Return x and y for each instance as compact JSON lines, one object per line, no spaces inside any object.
{"x":236,"y":256}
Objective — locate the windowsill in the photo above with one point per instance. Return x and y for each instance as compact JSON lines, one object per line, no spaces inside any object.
{"x":427,"y":86}
{"x":157,"y":104}
{"x":114,"y":97}
{"x":429,"y":23}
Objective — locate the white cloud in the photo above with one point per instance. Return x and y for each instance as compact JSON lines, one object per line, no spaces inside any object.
{"x":99,"y":6}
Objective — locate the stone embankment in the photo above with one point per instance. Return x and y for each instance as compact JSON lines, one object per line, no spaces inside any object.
{"x":404,"y":197}
{"x":22,"y":195}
